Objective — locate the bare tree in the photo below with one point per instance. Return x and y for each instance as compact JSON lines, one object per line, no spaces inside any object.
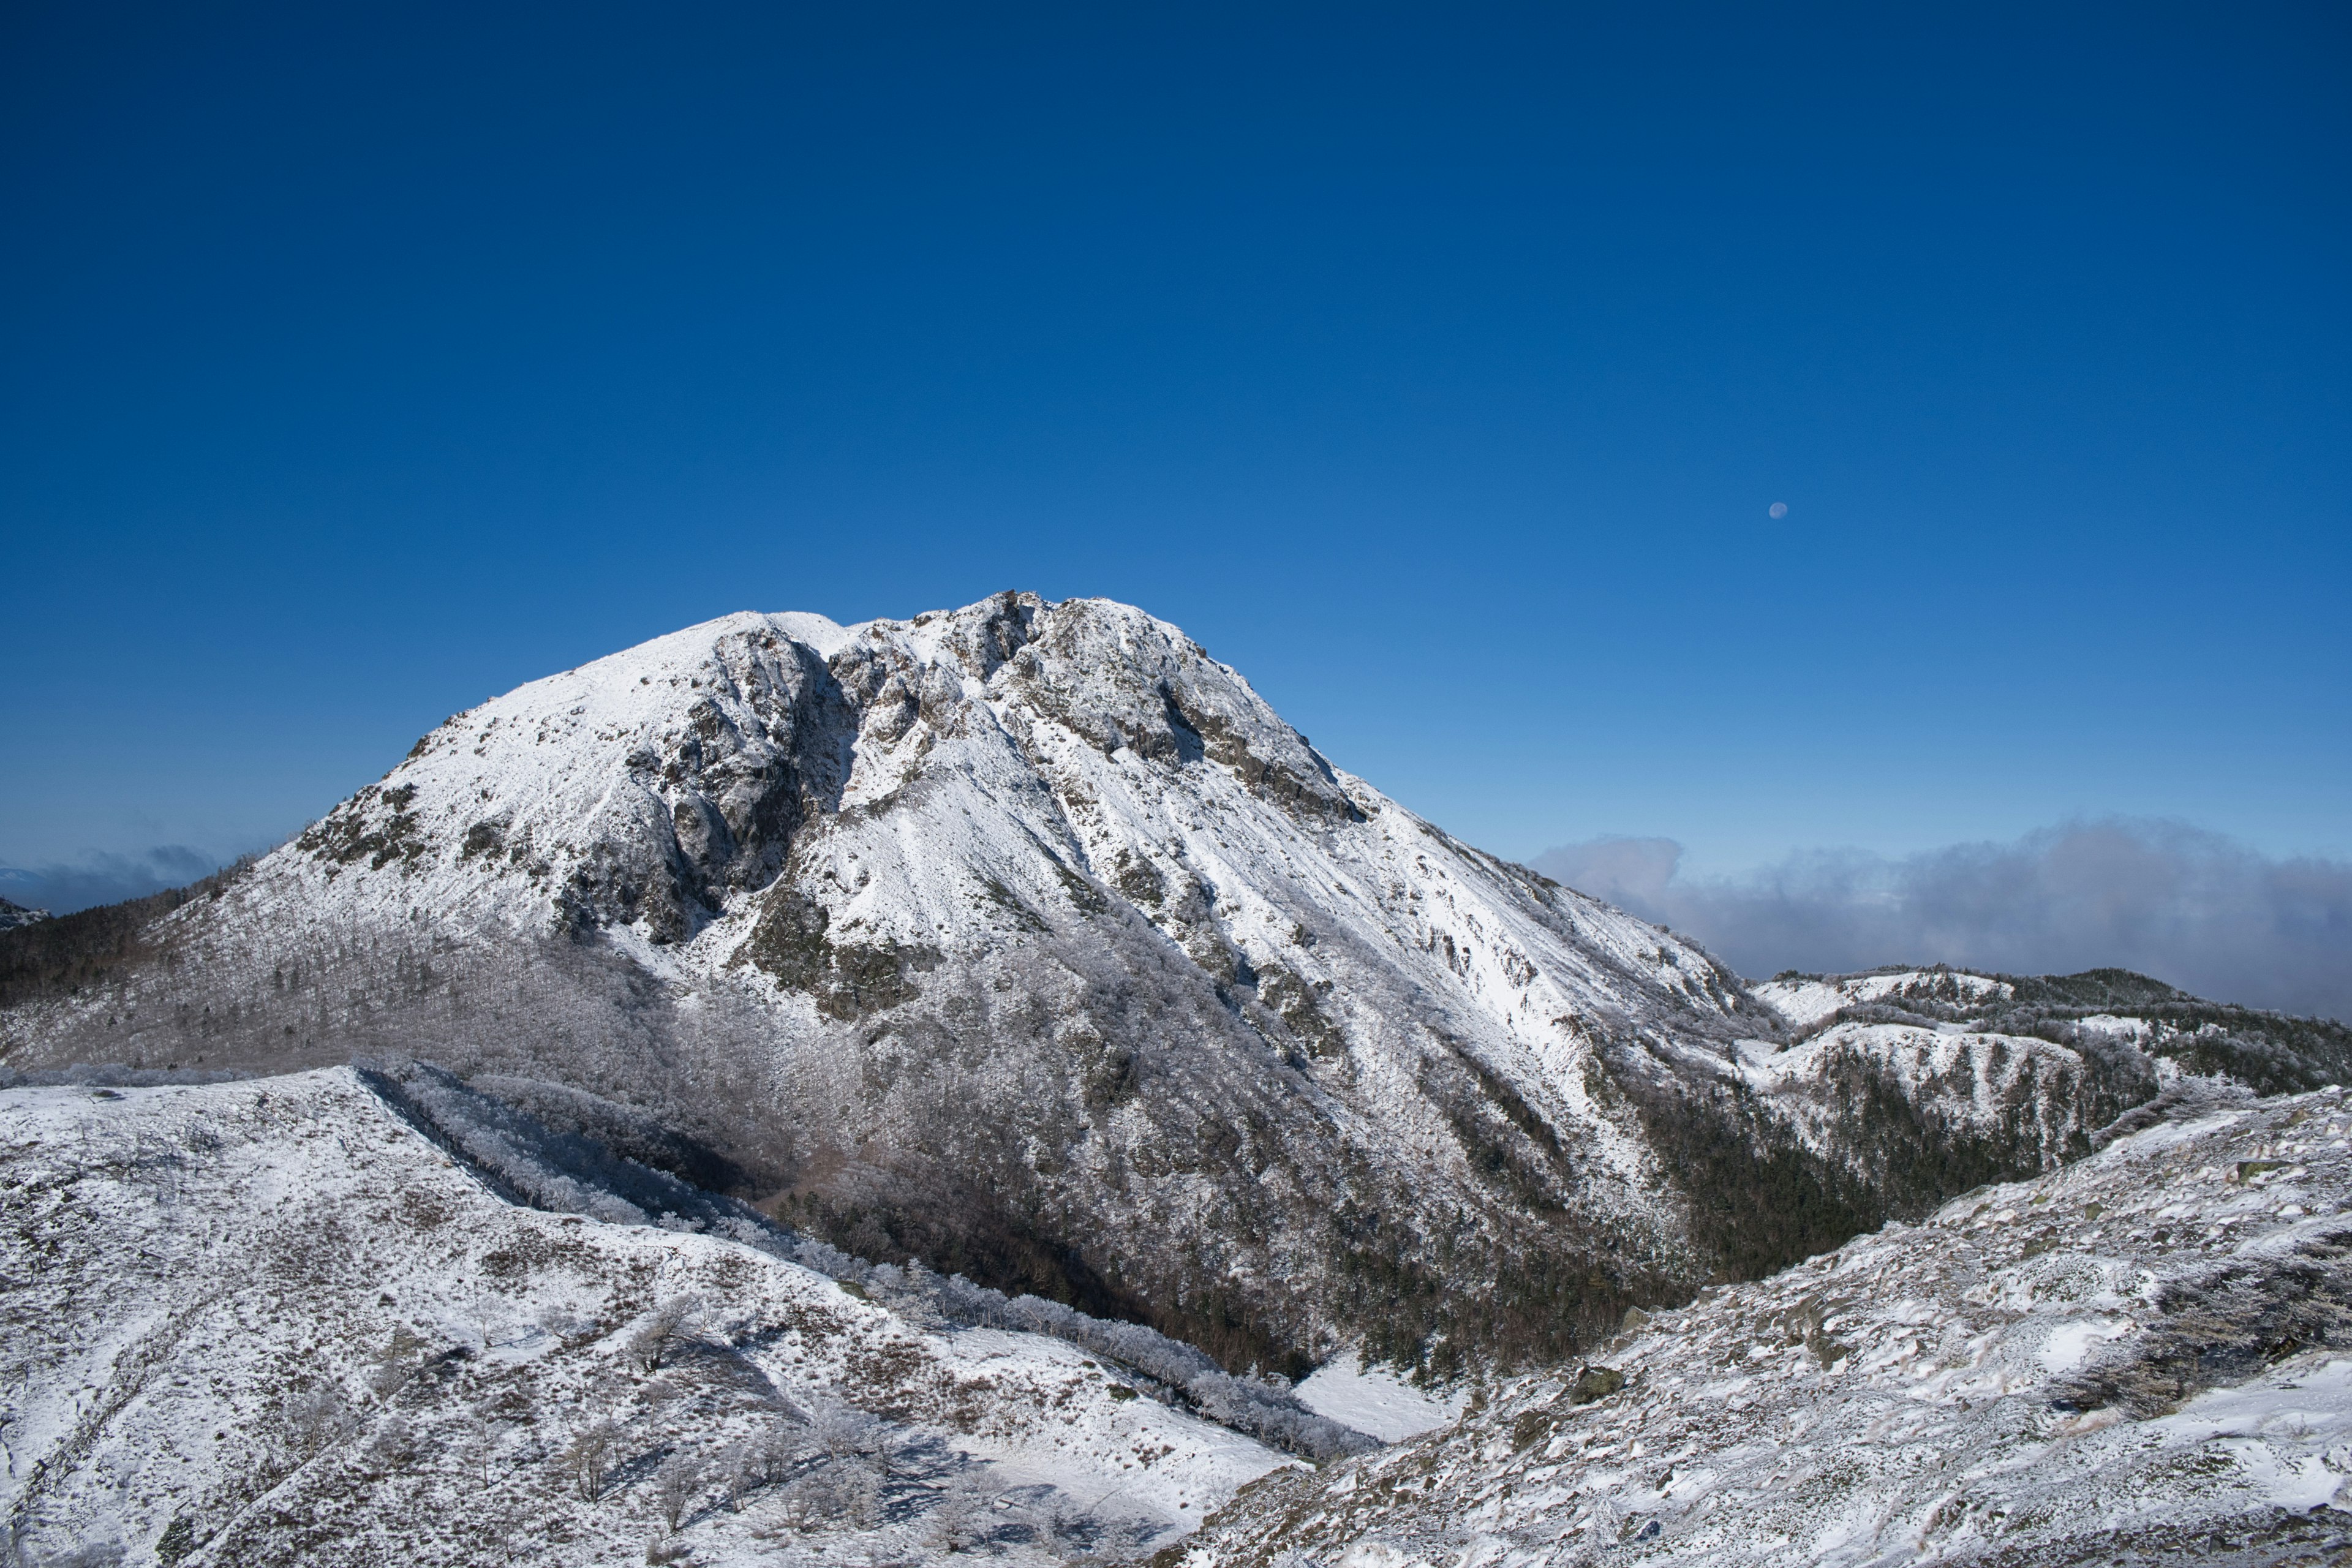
{"x":660,"y":1337}
{"x":589,"y":1457}
{"x":961,"y":1519}
{"x":313,"y":1421}
{"x":677,"y":1485}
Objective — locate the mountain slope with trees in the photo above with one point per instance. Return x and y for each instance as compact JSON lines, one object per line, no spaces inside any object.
{"x":1026,"y":942}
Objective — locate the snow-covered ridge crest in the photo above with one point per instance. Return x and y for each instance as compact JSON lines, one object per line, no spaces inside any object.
{"x":653,"y":787}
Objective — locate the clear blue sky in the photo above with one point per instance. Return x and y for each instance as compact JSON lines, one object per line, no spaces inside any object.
{"x":1434,"y":365}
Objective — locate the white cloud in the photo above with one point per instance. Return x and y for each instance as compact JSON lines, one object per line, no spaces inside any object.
{"x":2193,"y":907}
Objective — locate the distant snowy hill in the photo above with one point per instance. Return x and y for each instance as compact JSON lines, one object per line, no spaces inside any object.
{"x":1027,"y":941}
{"x":15,"y":915}
{"x":2144,"y":1358}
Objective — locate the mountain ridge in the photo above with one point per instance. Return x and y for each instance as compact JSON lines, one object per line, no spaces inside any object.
{"x":1027,"y":940}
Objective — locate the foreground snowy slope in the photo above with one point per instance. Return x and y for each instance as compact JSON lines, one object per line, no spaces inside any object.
{"x":2144,"y":1358}
{"x":271,"y":1322}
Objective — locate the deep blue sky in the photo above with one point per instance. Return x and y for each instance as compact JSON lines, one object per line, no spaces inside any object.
{"x":1434,"y":365}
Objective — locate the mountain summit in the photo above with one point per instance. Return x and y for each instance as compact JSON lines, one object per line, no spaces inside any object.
{"x":1026,"y":940}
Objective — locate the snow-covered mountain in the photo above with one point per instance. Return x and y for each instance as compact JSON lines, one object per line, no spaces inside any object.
{"x":15,"y":915}
{"x":2145,"y":1357}
{"x":1027,"y":941}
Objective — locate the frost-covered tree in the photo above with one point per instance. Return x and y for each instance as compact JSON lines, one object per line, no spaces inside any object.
{"x":778,"y":1451}
{"x":676,"y":1487}
{"x":312,"y":1421}
{"x":588,"y":1458}
{"x":961,"y":1519}
{"x":844,"y":1431}
{"x":840,"y":1491}
{"x":659,"y":1338}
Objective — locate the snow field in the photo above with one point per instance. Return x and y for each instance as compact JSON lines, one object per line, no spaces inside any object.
{"x":2006,"y":1383}
{"x":271,"y":1323}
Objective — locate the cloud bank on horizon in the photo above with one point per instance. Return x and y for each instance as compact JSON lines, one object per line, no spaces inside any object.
{"x":105,"y":879}
{"x":2193,"y":907}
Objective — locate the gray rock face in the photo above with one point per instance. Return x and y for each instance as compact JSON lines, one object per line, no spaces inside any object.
{"x":1026,"y":940}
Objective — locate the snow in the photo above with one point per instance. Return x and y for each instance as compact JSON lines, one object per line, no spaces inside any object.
{"x":2071,"y":1344}
{"x":1975,"y":1079}
{"x":1956,"y":1391}
{"x":188,"y":1266}
{"x":1033,"y":797}
{"x":1374,"y":1399}
{"x":2125,"y":1031}
{"x":1807,"y":1002}
{"x":946,"y":799}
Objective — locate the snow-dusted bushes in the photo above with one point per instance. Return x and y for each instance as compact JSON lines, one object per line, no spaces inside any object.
{"x":570,"y":1175}
{"x":1168,"y":1369}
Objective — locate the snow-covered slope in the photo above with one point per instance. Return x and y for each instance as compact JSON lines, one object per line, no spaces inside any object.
{"x":1809,"y":1000}
{"x":2144,"y":1358}
{"x":15,"y":915}
{"x":1025,"y":938}
{"x":2138,"y":1028}
{"x":272,"y":1322}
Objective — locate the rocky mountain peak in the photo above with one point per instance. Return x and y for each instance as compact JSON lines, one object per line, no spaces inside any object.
{"x":1026,"y":940}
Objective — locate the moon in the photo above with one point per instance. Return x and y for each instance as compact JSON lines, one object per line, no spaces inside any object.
{"x":1777,"y":511}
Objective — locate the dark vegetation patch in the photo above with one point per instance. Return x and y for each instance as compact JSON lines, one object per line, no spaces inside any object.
{"x":1542,"y":1296}
{"x":1912,"y":1157}
{"x":627,"y":1132}
{"x":1509,"y":1146}
{"x":2224,"y":1326}
{"x":61,"y":956}
{"x":1758,"y":1199}
{"x":1084,"y":897}
{"x":848,"y":979}
{"x":1299,"y":1004}
{"x":1008,"y":903}
{"x":1199,"y":731}
{"x":1139,"y":879}
{"x":957,"y":1227}
{"x":375,"y":826}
